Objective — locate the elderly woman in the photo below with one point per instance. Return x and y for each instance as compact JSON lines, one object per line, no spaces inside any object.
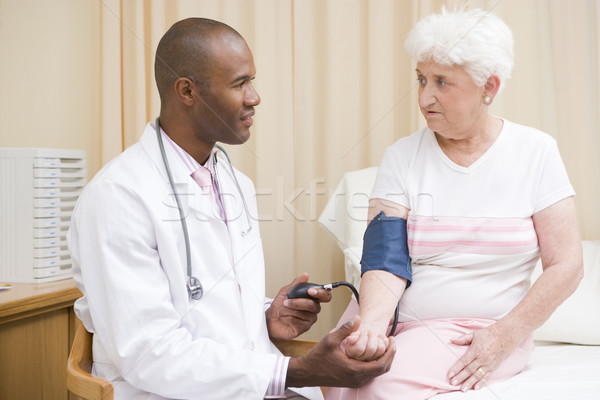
{"x":482,"y":199}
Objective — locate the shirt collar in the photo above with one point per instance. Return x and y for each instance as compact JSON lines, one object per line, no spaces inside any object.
{"x":190,"y":163}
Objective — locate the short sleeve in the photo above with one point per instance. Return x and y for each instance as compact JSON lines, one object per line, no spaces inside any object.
{"x":554,"y":182}
{"x":390,"y":182}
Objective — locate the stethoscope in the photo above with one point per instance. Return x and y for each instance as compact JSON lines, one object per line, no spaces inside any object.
{"x":194,"y":287}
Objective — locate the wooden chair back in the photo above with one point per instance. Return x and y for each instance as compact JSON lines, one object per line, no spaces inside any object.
{"x":80,"y":380}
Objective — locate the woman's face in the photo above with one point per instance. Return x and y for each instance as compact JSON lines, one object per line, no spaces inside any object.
{"x":450,"y":100}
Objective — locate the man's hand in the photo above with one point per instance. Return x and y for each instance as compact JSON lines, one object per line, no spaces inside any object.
{"x":328,"y":365}
{"x":288,"y":318}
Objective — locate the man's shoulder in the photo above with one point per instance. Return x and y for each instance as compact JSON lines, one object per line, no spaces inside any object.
{"x":131,"y":171}
{"x":130,"y":165}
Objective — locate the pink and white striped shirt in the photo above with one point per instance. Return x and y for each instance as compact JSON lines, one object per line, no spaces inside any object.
{"x":471,"y":236}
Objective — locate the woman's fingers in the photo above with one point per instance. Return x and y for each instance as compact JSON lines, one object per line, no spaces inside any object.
{"x":483,"y":356}
{"x":367,"y":346}
{"x":477,"y":376}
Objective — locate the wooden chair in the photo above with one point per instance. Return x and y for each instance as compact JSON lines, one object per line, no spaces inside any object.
{"x":80,"y":380}
{"x":82,"y":383}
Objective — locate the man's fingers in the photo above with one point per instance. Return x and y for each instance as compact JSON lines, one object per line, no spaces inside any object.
{"x":303,"y":277}
{"x":302,"y":306}
{"x":345,"y":330}
{"x":389,"y":354}
{"x":322,"y":295}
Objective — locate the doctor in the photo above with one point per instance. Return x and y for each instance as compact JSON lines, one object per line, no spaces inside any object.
{"x":151,"y":339}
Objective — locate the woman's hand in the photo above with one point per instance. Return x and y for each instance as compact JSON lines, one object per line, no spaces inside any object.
{"x":328,"y":365}
{"x":488,"y":347}
{"x":366,"y":343}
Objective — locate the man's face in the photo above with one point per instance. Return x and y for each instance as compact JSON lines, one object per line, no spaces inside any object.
{"x":224,"y":113}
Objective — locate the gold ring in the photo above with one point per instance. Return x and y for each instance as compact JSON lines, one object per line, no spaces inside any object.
{"x":481,"y":371}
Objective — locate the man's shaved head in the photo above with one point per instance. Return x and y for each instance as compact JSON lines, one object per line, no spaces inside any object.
{"x":186,"y":51}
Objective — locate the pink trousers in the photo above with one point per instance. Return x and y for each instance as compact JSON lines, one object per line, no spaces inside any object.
{"x":424,"y":355}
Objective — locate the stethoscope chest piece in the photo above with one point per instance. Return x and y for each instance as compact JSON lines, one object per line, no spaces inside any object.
{"x":194,"y":288}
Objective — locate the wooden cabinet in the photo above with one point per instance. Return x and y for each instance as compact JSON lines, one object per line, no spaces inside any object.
{"x":37,"y":325}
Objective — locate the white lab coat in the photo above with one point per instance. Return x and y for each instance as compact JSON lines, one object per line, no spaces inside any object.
{"x":129,"y":261}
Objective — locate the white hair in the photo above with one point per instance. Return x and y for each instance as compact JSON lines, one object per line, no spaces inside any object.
{"x":475,"y":39}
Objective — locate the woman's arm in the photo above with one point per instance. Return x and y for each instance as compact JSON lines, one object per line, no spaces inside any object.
{"x":562,"y":263}
{"x":379,"y":295}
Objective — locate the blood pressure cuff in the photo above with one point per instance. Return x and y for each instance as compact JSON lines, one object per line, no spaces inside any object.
{"x":385,"y":247}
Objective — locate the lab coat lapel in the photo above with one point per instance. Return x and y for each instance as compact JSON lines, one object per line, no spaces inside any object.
{"x":193,"y":200}
{"x":246,"y":249}
{"x":233,"y":208}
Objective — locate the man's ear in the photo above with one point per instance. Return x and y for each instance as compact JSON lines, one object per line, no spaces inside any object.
{"x":184,"y":91}
{"x":492,"y":86}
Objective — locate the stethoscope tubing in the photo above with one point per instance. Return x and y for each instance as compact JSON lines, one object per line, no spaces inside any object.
{"x":177,"y":200}
{"x":239,"y":189}
{"x":193,"y":284}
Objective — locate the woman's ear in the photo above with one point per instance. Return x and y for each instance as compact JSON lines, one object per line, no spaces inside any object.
{"x":491,"y":87}
{"x":184,"y":91}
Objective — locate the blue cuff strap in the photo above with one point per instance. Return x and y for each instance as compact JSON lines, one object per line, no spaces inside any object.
{"x":385,"y":247}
